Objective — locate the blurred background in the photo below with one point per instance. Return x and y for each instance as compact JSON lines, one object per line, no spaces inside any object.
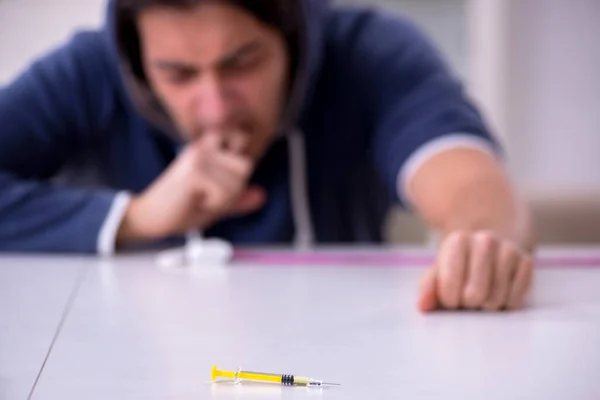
{"x":533,"y":66}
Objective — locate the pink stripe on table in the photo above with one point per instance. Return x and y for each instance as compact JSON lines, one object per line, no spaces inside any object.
{"x":396,"y":259}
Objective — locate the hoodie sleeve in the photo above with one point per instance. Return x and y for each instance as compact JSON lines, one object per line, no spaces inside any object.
{"x":417,"y":108}
{"x":46,"y":114}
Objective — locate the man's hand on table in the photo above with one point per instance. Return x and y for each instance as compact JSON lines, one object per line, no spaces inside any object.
{"x":477,"y":271}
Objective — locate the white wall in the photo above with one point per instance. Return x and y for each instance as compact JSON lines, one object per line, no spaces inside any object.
{"x":443,"y":20}
{"x":554,"y":100}
{"x":29,"y":28}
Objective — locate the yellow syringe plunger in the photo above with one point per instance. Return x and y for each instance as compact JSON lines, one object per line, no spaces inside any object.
{"x":282,"y":379}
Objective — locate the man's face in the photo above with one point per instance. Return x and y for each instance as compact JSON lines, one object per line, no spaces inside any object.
{"x":216,"y":68}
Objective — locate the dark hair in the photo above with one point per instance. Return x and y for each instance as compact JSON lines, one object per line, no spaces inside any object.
{"x":283,"y":15}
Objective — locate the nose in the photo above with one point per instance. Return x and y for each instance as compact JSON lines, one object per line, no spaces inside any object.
{"x":211,"y":104}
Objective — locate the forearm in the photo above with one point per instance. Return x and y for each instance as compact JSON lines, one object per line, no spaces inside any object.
{"x":39,"y":217}
{"x":489,"y":203}
{"x":468,"y":190}
{"x":138,"y":224}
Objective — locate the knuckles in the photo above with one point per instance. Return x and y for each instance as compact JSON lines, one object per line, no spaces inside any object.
{"x":485,"y":240}
{"x":501,"y":255}
{"x":474,"y":296}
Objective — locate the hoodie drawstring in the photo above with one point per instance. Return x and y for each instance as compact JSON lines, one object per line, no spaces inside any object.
{"x":299,"y":191}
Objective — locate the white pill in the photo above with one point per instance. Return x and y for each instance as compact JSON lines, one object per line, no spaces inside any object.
{"x":209,"y":252}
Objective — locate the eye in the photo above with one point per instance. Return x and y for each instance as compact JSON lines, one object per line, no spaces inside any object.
{"x":180,"y":76}
{"x":242,"y":63}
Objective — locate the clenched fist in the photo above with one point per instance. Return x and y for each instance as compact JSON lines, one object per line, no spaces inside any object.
{"x":477,"y":271}
{"x":207,"y":182}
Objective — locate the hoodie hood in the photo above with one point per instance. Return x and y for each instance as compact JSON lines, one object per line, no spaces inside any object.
{"x":312,"y":15}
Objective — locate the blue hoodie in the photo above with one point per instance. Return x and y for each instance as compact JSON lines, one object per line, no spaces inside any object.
{"x":372,"y":98}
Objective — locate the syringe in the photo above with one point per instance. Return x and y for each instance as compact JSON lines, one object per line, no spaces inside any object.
{"x":286,"y":380}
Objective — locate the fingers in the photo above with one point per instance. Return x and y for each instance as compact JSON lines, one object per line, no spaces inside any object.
{"x":508,"y":258}
{"x":223,"y":186}
{"x":427,"y":294}
{"x":477,"y":271}
{"x":222,"y":165}
{"x":481,"y":266}
{"x":211,"y":141}
{"x":521,"y":284}
{"x":221,"y":158}
{"x":237,"y":143}
{"x":451,"y":272}
{"x":251,"y":200}
{"x":212,"y":197}
{"x":221,"y":174}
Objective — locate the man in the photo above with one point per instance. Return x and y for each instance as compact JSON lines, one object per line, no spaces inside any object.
{"x":261,"y":123}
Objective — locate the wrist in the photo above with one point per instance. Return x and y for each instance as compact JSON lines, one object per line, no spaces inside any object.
{"x":134,"y":227}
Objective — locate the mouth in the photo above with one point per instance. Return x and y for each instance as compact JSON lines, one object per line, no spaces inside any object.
{"x":236,"y":141}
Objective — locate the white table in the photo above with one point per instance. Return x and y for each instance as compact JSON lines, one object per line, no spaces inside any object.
{"x":34,"y":294}
{"x":138,"y":332}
